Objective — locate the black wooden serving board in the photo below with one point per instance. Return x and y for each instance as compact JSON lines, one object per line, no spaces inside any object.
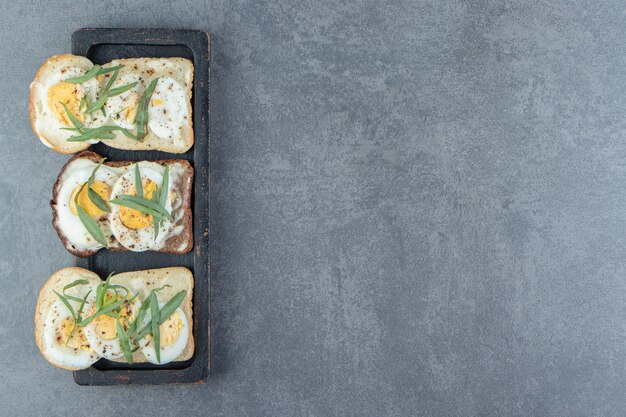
{"x":104,"y":45}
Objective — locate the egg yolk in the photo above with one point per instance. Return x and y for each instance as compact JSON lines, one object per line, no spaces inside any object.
{"x":170,"y":329}
{"x":128,"y":110}
{"x":68,"y":94}
{"x":78,"y":339}
{"x":134,"y":219}
{"x":157,"y":102}
{"x":129,"y":113}
{"x":101,"y":188}
{"x":106,"y":326}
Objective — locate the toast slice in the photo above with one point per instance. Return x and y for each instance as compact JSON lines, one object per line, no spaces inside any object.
{"x":174,"y":279}
{"x":181,"y":208}
{"x":49,"y":91}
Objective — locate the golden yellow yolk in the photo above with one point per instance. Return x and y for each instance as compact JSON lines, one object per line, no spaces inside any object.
{"x":68,"y":94}
{"x":170,"y":329}
{"x":78,"y":339}
{"x":101,"y":188}
{"x":157,"y":102}
{"x":134,"y":219}
{"x":130,"y":111}
{"x":106,"y":326}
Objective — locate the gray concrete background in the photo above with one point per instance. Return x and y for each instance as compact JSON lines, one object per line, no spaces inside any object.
{"x":418,"y":209}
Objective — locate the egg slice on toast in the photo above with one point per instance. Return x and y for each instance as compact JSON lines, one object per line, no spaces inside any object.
{"x":135,"y":104}
{"x":100,"y":190}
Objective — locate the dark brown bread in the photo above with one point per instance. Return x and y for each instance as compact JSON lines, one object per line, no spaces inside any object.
{"x":183,"y":187}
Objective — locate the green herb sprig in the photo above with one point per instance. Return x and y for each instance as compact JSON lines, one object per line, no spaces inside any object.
{"x":106,"y":132}
{"x":141,"y":116}
{"x":158,"y":317}
{"x":154,"y":325}
{"x":93,"y":72}
{"x":108,"y":92}
{"x":110,"y":306}
{"x":94,"y":196}
{"x":124,"y":341}
{"x":143,"y":310}
{"x":168,"y":309}
{"x":85,"y":134}
{"x":161,"y":198}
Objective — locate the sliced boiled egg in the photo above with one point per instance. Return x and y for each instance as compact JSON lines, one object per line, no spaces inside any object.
{"x":101,"y":332}
{"x":100,"y":187}
{"x":167,"y":109}
{"x":132,"y":228}
{"x":76,"y":97}
{"x":76,"y":175}
{"x":68,"y":94}
{"x":173,"y":332}
{"x":64,"y":345}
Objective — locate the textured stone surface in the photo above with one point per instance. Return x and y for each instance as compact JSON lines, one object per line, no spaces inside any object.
{"x":418,"y":209}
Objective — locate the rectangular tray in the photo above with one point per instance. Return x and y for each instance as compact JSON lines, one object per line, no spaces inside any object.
{"x":104,"y":45}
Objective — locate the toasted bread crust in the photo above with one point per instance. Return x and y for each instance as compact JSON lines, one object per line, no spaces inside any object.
{"x":184,"y":239}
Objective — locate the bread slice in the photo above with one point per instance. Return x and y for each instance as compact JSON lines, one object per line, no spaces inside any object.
{"x":59,"y":67}
{"x":47,"y":298}
{"x":180,"y":243}
{"x":141,"y":282}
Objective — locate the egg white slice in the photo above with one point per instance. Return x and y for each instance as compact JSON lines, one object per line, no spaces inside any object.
{"x":107,"y":348}
{"x":167,"y":109}
{"x":122,"y":108}
{"x":55,"y":346}
{"x":90,"y":88}
{"x":167,"y":353}
{"x":69,"y":223}
{"x":138,"y":240}
{"x":47,"y":121}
